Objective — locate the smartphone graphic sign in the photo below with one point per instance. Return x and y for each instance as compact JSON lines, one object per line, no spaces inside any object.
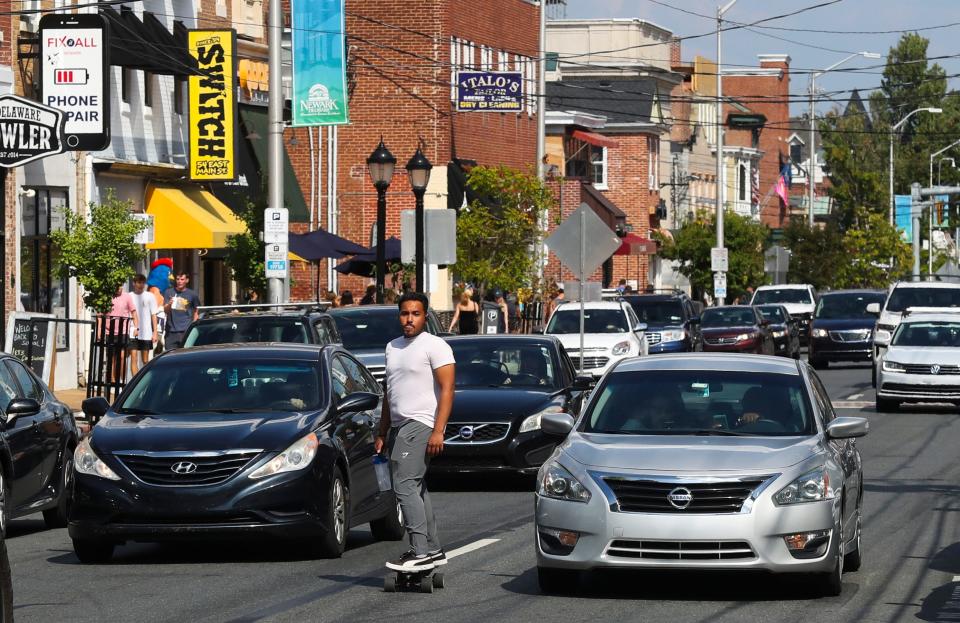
{"x":75,"y":78}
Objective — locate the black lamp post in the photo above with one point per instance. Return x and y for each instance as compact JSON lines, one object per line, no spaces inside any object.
{"x":380,"y":164}
{"x":418,"y":169}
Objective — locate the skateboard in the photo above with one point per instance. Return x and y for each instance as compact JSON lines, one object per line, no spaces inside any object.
{"x":423,"y":581}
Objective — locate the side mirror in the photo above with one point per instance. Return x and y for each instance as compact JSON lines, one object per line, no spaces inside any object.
{"x":357,"y":402}
{"x":22,"y":406}
{"x":95,"y":408}
{"x":556,"y":423}
{"x":641,"y":326}
{"x":583,"y":382}
{"x":873,"y":308}
{"x":846,"y":427}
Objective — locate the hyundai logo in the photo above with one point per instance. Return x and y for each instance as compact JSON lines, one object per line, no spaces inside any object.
{"x":680,"y":498}
{"x":935,"y":368}
{"x":466,"y":432}
{"x":183,"y":468}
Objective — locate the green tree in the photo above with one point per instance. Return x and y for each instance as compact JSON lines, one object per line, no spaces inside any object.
{"x":815,"y":253}
{"x":868,"y":251}
{"x":100,"y":253}
{"x":244,"y":255}
{"x":745,"y":240}
{"x":493,"y":243}
{"x":857,"y":162}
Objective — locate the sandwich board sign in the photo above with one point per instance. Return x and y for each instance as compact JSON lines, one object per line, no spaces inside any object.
{"x":28,"y":131}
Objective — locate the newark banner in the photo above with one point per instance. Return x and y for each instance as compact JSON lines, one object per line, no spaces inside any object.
{"x":213,"y":105}
{"x":319,"y":63}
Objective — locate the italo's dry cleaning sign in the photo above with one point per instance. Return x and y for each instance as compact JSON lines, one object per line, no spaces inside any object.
{"x":213,"y":105}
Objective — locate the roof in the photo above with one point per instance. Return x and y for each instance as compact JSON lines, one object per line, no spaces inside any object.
{"x":653,"y":297}
{"x":786,"y":286}
{"x":593,"y":304}
{"x":926,"y":284}
{"x":711,"y":361}
{"x":619,"y":100}
{"x":922,"y":314}
{"x":842,"y":292}
{"x":286,"y":313}
{"x":503,"y":337}
{"x":266,"y":350}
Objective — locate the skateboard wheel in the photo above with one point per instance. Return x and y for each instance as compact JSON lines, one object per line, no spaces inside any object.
{"x":426,"y":585}
{"x":437,"y":580}
{"x":390,"y":584}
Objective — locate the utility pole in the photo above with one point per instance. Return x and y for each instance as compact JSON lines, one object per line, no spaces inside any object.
{"x":275,"y":130}
{"x":721,"y":187}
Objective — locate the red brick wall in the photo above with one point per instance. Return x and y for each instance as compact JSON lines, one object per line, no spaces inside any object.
{"x":628,"y":188}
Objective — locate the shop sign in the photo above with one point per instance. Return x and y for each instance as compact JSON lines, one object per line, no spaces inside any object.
{"x":28,"y":131}
{"x":213,"y":105}
{"x":489,"y":91}
{"x":254,"y":78}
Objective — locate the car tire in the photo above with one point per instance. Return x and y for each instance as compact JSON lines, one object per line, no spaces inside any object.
{"x":873,"y":375}
{"x":57,"y":516}
{"x":4,"y":511}
{"x":6,"y":586}
{"x":854,"y":559}
{"x":334,"y":540}
{"x":885,"y":405}
{"x":389,"y":527}
{"x":93,"y":551}
{"x":557,"y":581}
{"x":830,"y":584}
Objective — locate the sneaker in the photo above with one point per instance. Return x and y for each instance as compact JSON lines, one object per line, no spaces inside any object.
{"x":439,"y":557}
{"x":411,"y":562}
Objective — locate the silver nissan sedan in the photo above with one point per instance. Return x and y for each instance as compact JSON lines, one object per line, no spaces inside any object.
{"x":702,"y":461}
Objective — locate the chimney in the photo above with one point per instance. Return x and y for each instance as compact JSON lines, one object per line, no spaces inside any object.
{"x":674,"y":52}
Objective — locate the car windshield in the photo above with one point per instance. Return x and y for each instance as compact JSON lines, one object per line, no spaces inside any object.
{"x":486,"y":362}
{"x":247,"y":329}
{"x":701,"y":402}
{"x":773,"y":313}
{"x":847,"y":306}
{"x":927,"y":334}
{"x":658,"y":312}
{"x":368,"y":329}
{"x":594,"y":321}
{"x":727,"y":317}
{"x":782,"y":295}
{"x":232,"y":385}
{"x":902,"y":298}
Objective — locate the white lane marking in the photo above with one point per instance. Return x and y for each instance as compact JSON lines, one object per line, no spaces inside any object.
{"x":466,"y":549}
{"x":956,"y":578}
{"x":854,"y":396}
{"x":852,"y":404}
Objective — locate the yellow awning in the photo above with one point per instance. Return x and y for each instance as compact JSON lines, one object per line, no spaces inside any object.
{"x":188,"y":217}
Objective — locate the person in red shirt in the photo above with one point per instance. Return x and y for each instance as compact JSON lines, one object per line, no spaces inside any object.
{"x":117,"y":329}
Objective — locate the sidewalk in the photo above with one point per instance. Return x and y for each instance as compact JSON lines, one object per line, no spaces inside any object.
{"x":73,"y":398}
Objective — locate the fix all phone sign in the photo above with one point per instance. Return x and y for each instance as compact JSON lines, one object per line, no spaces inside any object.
{"x":74,"y":80}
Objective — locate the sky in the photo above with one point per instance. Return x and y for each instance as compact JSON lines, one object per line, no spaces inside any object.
{"x":809,"y":51}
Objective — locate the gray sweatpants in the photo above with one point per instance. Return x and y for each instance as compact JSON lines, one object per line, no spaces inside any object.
{"x":408,"y":465}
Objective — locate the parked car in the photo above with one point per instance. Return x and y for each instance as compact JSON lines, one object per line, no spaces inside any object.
{"x":770,"y":478}
{"x":612,"y":332}
{"x":673,"y":324}
{"x":504,"y":386}
{"x":736,"y":329}
{"x":922,"y":362}
{"x":37,"y":438}
{"x":784,"y":329}
{"x":800,"y":299}
{"x":234,"y":441}
{"x":231,"y":326}
{"x":366,"y":330}
{"x":6,"y":585}
{"x":842,"y":328}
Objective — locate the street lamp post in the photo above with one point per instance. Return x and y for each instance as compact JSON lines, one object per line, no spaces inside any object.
{"x":418,"y":170}
{"x":813,"y":137}
{"x":893,"y":132}
{"x":721,"y":187}
{"x":953,"y":163}
{"x":380,"y":164}
{"x":937,"y":153}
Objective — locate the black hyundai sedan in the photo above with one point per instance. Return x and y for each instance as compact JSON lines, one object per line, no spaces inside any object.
{"x":842,"y":329}
{"x":504,"y":384}
{"x":231,"y":441}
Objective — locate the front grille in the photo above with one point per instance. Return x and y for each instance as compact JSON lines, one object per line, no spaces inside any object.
{"x":681,"y":550}
{"x":931,"y":391}
{"x":846,"y":337}
{"x":210,"y":470}
{"x":590,"y":362}
{"x":720,"y":340}
{"x":654,"y":338}
{"x":466,"y":462}
{"x":174,"y":520}
{"x":475,"y":432}
{"x":924,"y":368}
{"x":378,"y":372}
{"x":650,"y":496}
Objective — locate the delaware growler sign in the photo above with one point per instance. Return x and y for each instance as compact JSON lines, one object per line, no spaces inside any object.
{"x":213,"y":105}
{"x":28,"y":131}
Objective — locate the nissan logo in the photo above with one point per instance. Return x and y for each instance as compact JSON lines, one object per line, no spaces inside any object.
{"x":466,"y":432}
{"x":183,"y":468}
{"x":680,"y":498}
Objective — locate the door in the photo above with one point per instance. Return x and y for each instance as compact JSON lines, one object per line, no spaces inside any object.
{"x":25,"y":454}
{"x":845,"y":454}
{"x":47,"y":424}
{"x":356,"y":433}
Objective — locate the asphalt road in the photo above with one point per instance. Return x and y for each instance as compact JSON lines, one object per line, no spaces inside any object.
{"x":911,"y":558}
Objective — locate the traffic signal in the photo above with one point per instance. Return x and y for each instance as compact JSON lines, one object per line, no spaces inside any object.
{"x":939,"y":207}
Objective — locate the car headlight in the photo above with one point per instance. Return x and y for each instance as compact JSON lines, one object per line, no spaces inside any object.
{"x":819,"y":333}
{"x":86,"y":461}
{"x":744,"y":337}
{"x":778,"y":333}
{"x":621,"y":348}
{"x":672,"y":335}
{"x":893,"y":366}
{"x":533,"y":422}
{"x":811,"y":487}
{"x":298,"y":456}
{"x":557,"y":483}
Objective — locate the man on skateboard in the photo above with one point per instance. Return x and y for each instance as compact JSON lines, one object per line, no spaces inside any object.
{"x":419,"y":382}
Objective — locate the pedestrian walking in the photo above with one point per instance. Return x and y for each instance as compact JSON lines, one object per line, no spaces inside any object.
{"x":180,"y":305}
{"x":466,"y":314}
{"x":504,"y":310}
{"x":554,"y":303}
{"x":122,"y":322}
{"x":419,"y":395}
{"x":158,"y":281}
{"x":145,"y":340}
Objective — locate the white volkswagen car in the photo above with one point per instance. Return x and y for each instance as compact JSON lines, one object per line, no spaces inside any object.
{"x":800,"y":299}
{"x":612,"y":332}
{"x":922,"y":362}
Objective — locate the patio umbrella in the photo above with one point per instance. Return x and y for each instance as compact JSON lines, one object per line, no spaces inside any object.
{"x":320,"y":244}
{"x":633,"y":244}
{"x":365,"y":263}
{"x":391,"y":249}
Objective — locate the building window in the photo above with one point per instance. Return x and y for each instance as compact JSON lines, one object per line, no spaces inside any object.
{"x":653,"y":162}
{"x":742,"y":182}
{"x":125,"y":84}
{"x":468,"y":58}
{"x":148,"y":89}
{"x":796,"y":153}
{"x":42,"y":289}
{"x":486,"y":58}
{"x":598,"y":158}
{"x":502,"y":62}
{"x":178,"y":94}
{"x":454,"y":66}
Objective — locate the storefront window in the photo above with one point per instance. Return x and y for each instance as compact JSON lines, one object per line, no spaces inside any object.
{"x":42,"y":289}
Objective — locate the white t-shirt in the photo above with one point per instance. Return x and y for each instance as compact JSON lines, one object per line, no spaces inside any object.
{"x":410,"y":366}
{"x":146,"y":305}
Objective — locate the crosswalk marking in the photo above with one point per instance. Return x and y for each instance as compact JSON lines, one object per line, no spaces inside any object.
{"x":852,"y":404}
{"x":466,"y":549}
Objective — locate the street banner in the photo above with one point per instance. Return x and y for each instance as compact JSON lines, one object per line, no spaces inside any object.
{"x":319,"y":63}
{"x":28,"y":131}
{"x":903,"y":214}
{"x":489,"y":91}
{"x":213,"y":105}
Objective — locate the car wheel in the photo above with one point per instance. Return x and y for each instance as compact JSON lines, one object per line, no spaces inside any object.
{"x":830,"y":584}
{"x":57,"y":516}
{"x":854,"y":559}
{"x":390,"y":527}
{"x":4,"y":517}
{"x":885,"y":405}
{"x":93,"y":551}
{"x":334,"y":541}
{"x":873,"y":375}
{"x":557,"y":581}
{"x":6,"y":586}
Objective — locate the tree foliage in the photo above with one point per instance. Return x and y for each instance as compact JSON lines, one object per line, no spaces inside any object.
{"x":100,"y":254}
{"x":244,"y":255}
{"x":867,"y":252}
{"x":816,"y":253}
{"x":493,"y":243}
{"x":745,"y":240}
